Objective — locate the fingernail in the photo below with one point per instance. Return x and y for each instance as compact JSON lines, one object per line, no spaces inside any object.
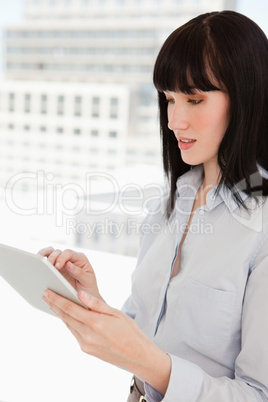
{"x":45,"y":294}
{"x":57,"y":264}
{"x":71,"y":266}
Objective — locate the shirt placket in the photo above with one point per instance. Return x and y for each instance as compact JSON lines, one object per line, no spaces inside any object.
{"x":185,"y":207}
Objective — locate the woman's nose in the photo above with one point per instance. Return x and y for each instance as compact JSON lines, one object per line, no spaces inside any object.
{"x":177,"y":118}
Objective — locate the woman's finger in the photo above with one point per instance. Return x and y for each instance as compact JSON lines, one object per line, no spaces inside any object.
{"x":68,"y":320}
{"x":50,"y":253}
{"x":83,"y":277}
{"x":81,"y":325}
{"x":79,"y":259}
{"x":66,"y":255}
{"x":64,"y":307}
{"x":46,"y":251}
{"x":52,"y":258}
{"x":95,"y":304}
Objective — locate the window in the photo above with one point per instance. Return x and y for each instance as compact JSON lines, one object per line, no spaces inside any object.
{"x":95,"y":106}
{"x":131,"y":152}
{"x":75,"y":177}
{"x":43,"y":104}
{"x":27,"y":103}
{"x":27,"y":127}
{"x":94,"y":133}
{"x":43,"y":129}
{"x":11,"y":101}
{"x":25,"y":187}
{"x":59,"y":147}
{"x":111,"y":151}
{"x":112,"y":134}
{"x":42,"y":145}
{"x":150,"y":153}
{"x":146,"y":95}
{"x":77,"y":131}
{"x":77,"y":105}
{"x":60,"y":105}
{"x":59,"y":130}
{"x":114,"y":108}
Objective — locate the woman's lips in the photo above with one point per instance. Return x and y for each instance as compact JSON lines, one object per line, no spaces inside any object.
{"x":185,"y":143}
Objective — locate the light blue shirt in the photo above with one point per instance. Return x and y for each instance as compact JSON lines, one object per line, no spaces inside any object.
{"x":212,"y":317}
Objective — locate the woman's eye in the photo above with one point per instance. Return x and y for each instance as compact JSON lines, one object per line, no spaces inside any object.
{"x":195,"y":101}
{"x":169,"y":100}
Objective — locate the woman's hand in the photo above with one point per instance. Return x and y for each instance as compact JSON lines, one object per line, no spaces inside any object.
{"x":112,"y":336}
{"x":75,"y":267}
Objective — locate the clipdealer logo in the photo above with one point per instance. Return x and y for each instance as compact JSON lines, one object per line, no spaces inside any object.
{"x":68,"y":200}
{"x":65,"y":201}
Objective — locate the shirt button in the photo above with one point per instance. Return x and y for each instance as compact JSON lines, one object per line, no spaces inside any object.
{"x":201,"y":212}
{"x":212,"y":197}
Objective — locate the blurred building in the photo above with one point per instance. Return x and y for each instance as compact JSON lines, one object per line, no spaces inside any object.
{"x":92,"y":42}
{"x":66,"y":130}
{"x":78,"y":94}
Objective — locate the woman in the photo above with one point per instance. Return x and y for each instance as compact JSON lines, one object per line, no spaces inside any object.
{"x":195,"y":327}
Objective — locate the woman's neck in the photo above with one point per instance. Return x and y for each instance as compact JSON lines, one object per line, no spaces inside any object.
{"x":211,"y":175}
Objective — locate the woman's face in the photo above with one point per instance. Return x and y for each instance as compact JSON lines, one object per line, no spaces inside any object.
{"x":199,"y":122}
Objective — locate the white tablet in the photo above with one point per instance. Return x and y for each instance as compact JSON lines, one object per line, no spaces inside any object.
{"x":30,"y":274}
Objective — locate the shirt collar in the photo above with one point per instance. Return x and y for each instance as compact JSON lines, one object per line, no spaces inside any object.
{"x":189,"y":183}
{"x":227,"y":196}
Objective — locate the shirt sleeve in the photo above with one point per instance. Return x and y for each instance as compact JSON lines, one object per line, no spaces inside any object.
{"x":189,"y":383}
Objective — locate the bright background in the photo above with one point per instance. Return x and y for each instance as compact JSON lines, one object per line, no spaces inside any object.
{"x":11,"y":11}
{"x":39,"y":359}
